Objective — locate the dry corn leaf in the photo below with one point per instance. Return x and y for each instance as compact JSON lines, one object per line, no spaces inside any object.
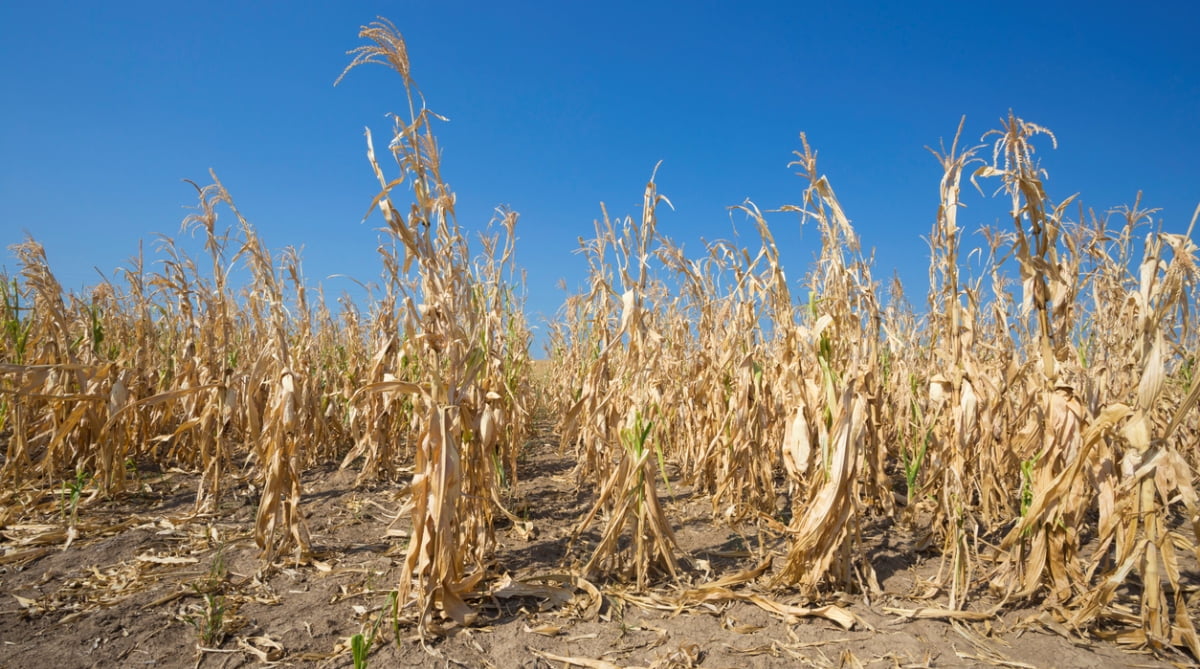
{"x":27,"y":603}
{"x":586,"y":662}
{"x":940,"y":614}
{"x":551,"y":596}
{"x":545,"y":629}
{"x":166,"y":559}
{"x":264,"y":648}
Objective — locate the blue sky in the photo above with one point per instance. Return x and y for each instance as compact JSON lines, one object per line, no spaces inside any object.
{"x":555,"y":107}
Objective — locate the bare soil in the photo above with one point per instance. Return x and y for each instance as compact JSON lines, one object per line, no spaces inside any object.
{"x":142,"y":574}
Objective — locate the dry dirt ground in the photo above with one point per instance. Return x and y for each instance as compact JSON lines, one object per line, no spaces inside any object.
{"x":141,"y":578}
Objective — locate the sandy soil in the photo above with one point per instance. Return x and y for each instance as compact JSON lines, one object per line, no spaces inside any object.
{"x":141,"y":575}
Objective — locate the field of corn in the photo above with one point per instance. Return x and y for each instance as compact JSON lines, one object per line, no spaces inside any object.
{"x":1033,"y":424}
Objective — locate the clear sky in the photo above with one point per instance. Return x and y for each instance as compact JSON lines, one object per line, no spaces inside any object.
{"x":557,"y":106}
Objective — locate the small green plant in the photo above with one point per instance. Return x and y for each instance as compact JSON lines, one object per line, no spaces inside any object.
{"x":394,"y":606}
{"x":1187,"y":373}
{"x":913,"y":458}
{"x":913,"y":455}
{"x":1083,"y":348}
{"x":72,"y":492}
{"x":218,"y":571}
{"x":360,"y":644}
{"x":132,"y":472}
{"x":210,"y":623}
{"x":501,"y":475}
{"x":1027,"y":483}
{"x":359,"y":647}
{"x":97,"y":328}
{"x":634,"y":440}
{"x":885,"y":365}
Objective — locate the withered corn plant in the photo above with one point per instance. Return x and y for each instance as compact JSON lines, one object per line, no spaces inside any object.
{"x":947,"y":412}
{"x":456,"y":349}
{"x":833,"y":439}
{"x":614,"y":414}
